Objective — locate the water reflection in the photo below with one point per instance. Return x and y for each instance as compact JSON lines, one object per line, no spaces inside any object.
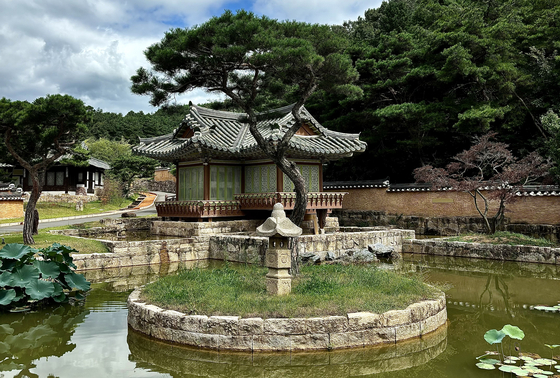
{"x":94,"y":340}
{"x":27,"y":337}
{"x":180,"y":361}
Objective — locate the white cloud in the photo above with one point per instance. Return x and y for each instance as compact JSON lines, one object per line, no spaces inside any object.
{"x":90,"y":48}
{"x":315,"y":11}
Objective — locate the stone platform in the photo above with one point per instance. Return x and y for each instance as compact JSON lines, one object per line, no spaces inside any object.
{"x":232,"y":333}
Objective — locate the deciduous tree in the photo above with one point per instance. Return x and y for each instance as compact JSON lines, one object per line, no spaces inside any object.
{"x":487,"y":171}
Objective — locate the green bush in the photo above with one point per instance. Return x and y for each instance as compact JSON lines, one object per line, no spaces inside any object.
{"x":29,"y":277}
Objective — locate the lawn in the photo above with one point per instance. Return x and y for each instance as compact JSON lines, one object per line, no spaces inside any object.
{"x":319,"y":290}
{"x":45,"y":239}
{"x":50,"y":210}
{"x":503,"y":237}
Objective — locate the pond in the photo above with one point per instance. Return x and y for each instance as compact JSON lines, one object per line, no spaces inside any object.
{"x":93,"y":340}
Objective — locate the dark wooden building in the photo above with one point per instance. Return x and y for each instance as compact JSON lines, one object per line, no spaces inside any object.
{"x":222,"y":172}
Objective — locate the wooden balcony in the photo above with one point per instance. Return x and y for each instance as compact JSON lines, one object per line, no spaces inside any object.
{"x":201,"y":209}
{"x":198,"y":209}
{"x":265,"y":201}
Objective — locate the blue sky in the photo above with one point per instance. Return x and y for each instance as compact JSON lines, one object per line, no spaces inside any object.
{"x":90,"y":48}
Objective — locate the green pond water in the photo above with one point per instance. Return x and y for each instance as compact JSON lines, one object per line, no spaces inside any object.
{"x":93,"y":340}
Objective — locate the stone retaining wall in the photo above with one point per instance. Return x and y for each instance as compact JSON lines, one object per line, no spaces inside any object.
{"x":543,"y":255}
{"x":251,"y":249}
{"x":145,"y":252}
{"x":232,"y":333}
{"x":190,"y":229}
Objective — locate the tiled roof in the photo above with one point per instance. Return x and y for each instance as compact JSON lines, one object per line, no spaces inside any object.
{"x":331,"y":185}
{"x":224,"y":134}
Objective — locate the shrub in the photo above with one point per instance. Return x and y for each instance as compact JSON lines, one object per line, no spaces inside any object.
{"x":29,"y":277}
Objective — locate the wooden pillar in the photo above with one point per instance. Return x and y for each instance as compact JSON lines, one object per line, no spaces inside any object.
{"x":320,"y":177}
{"x":279,"y":180}
{"x":206,"y":181}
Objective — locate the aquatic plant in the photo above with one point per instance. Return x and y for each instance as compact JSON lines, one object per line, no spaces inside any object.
{"x":30,"y":276}
{"x":521,"y":366}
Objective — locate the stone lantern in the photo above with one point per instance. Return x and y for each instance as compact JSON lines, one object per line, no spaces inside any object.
{"x":278,"y":257}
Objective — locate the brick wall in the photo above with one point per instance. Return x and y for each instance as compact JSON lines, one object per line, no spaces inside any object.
{"x":11,"y":208}
{"x":535,"y":210}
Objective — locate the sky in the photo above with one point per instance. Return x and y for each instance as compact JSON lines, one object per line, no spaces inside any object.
{"x":89,"y":49}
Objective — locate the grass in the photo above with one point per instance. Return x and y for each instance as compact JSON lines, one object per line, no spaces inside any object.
{"x":45,"y":239}
{"x":50,"y":210}
{"x":318,"y":291}
{"x":504,"y":237}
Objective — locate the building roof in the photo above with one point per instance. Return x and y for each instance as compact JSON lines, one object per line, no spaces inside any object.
{"x":206,"y":132}
{"x":363,"y":184}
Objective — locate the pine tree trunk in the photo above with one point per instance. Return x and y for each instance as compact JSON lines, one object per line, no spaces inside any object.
{"x":29,"y":220}
{"x":291,"y":170}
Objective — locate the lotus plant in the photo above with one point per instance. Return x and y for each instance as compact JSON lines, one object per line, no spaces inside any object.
{"x":31,"y":276}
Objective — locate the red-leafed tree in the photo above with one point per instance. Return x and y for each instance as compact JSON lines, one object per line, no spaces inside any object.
{"x":490,"y":166}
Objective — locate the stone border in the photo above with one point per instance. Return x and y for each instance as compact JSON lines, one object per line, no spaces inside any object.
{"x":519,"y":253}
{"x":232,"y":333}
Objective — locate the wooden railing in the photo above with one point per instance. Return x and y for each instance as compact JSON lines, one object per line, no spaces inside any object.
{"x":265,"y":201}
{"x":244,"y":202}
{"x":198,"y":209}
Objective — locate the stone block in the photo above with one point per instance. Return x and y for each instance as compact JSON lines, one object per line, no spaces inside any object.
{"x":329,"y":324}
{"x":375,"y":336}
{"x":270,"y":343}
{"x":223,"y":325}
{"x":194,"y":323}
{"x":285,"y":326}
{"x":358,"y":321}
{"x":309,"y":342}
{"x":407,"y":331}
{"x":151,"y":313}
{"x":172,"y":319}
{"x":251,"y":326}
{"x":353,"y":339}
{"x":396,"y":317}
{"x":236,"y":343}
{"x":433,"y":322}
{"x":160,"y":332}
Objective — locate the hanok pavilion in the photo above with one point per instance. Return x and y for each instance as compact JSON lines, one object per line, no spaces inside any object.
{"x":223,"y":173}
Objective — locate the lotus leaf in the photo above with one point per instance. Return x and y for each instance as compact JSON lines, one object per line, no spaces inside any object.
{"x":23,"y":275}
{"x":539,"y":376}
{"x":4,"y":350}
{"x":520,"y":372}
{"x":552,"y":346}
{"x":5,"y":279}
{"x":509,"y":361}
{"x":7,"y":296}
{"x":546,"y":372}
{"x":526,"y":358}
{"x":532,"y":369}
{"x":484,"y":366}
{"x":513,"y":332}
{"x":494,"y":336}
{"x":545,"y":361}
{"x":47,"y":268}
{"x":491,"y":361}
{"x":5,"y":329}
{"x":557,"y":367}
{"x":15,"y":251}
{"x":507,"y":368}
{"x":39,"y":289}
{"x":77,"y":281}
